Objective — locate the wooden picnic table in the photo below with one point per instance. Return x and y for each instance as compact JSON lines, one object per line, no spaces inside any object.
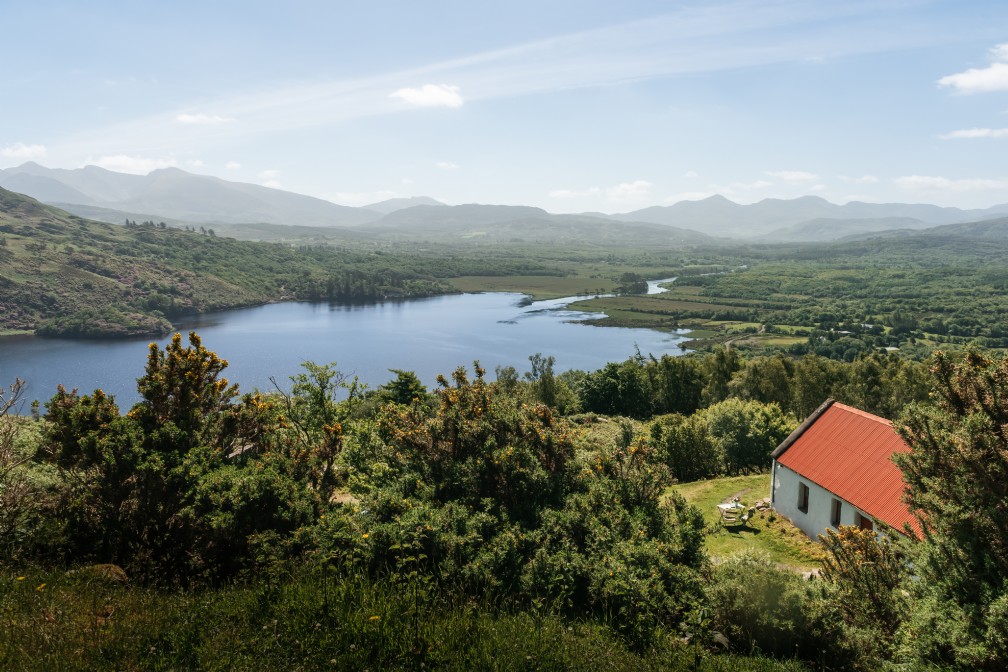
{"x":734,"y":512}
{"x":730,"y":510}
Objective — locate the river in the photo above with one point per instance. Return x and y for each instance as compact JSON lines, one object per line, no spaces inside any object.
{"x":428,"y":336}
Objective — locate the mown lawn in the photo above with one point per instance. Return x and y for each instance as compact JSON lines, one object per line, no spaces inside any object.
{"x":767,"y":533}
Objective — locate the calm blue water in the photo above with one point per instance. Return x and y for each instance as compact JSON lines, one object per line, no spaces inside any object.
{"x":428,"y":336}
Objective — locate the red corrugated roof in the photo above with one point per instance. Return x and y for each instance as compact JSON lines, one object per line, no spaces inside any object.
{"x":848,"y":452}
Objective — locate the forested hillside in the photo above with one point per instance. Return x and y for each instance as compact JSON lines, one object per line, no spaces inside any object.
{"x":911,"y":293}
{"x":61,"y":274}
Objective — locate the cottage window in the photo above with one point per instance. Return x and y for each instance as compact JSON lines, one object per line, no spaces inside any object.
{"x":803,"y":493}
{"x":835,"y":513}
{"x":864,"y":522}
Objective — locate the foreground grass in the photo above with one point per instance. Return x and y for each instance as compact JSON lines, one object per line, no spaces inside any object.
{"x":768,"y":533}
{"x":49,"y":621}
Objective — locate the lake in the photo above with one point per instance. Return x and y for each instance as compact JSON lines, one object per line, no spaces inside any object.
{"x":428,"y":336}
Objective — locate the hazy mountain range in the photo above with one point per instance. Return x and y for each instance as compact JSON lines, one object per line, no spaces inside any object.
{"x":244,"y":210}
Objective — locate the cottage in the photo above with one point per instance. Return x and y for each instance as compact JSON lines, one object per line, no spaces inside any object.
{"x":837,"y":469}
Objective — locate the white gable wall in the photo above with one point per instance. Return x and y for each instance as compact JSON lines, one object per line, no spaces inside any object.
{"x":813,"y":522}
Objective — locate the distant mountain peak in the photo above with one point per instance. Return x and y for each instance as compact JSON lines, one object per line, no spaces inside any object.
{"x":170,"y":170}
{"x":393,"y":204}
{"x":173,"y":193}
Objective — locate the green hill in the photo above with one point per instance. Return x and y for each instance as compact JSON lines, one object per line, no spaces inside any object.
{"x":63,"y":275}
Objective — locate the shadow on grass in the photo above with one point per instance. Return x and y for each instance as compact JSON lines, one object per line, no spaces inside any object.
{"x":741,"y":529}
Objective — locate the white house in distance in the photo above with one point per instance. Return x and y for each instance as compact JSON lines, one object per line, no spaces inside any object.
{"x":837,"y":469}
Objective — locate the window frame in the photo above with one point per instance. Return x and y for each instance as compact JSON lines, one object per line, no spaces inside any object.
{"x":836,"y":510}
{"x":803,"y":497}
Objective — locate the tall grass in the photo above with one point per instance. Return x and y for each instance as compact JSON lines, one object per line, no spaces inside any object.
{"x":52,"y":621}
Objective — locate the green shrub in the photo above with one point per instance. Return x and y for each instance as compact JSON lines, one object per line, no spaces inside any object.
{"x":757,"y":606}
{"x":486,"y":498}
{"x":187,"y":486}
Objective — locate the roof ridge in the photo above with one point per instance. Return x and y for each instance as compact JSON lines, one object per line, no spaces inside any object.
{"x":864,"y":414}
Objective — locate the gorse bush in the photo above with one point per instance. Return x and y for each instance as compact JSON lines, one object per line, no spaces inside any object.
{"x":177,"y":489}
{"x":488,"y":495}
{"x":23,"y":485}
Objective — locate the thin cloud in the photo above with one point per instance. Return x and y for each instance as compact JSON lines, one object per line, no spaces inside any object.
{"x":621,"y":193}
{"x":982,"y":80}
{"x":24,"y":152}
{"x":431,"y":95}
{"x":749,"y":186}
{"x":735,"y":190}
{"x":693,"y":39}
{"x":938,"y":183}
{"x":202,"y":119}
{"x":232,"y":165}
{"x":970,"y":133}
{"x":690,"y":196}
{"x":629,"y":191}
{"x":446,"y":165}
{"x":268,"y":178}
{"x":864,"y":179}
{"x":574,"y":193}
{"x":793,"y":176}
{"x":137,"y":165}
{"x":358,"y":199}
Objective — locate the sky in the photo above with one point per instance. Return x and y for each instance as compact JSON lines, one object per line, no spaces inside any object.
{"x":572,"y":106}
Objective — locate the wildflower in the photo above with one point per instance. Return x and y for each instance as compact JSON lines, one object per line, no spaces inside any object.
{"x":374,"y":618}
{"x":21,"y":578}
{"x":364,"y":536}
{"x":41,"y":586}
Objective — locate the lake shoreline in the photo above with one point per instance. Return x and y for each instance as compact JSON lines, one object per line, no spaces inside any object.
{"x":430,"y":336}
{"x":529,"y":299}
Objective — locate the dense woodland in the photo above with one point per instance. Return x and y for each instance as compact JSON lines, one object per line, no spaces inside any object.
{"x":327,"y":524}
